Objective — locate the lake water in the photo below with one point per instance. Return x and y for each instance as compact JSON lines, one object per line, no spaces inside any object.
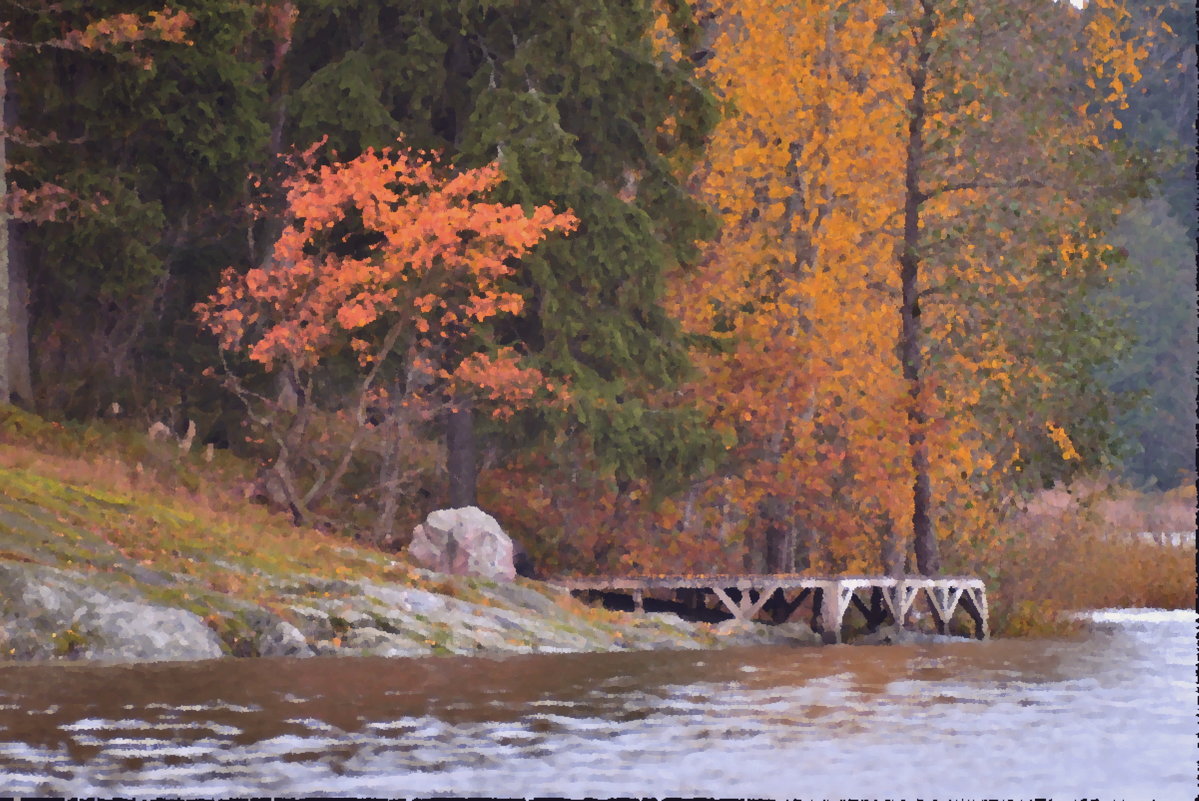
{"x":1111,"y":715}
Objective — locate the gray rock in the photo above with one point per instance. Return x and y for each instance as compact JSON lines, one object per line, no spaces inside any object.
{"x":139,"y":632}
{"x":739,"y":632}
{"x":154,"y":578}
{"x":50,"y":613}
{"x":366,"y":638}
{"x":473,"y":638}
{"x":796,"y":634}
{"x":314,"y":624}
{"x":283,"y":639}
{"x":511,"y":621}
{"x":402,"y":648}
{"x":407,"y":599}
{"x":464,"y":542}
{"x":376,"y":642}
{"x":349,"y":615}
{"x":564,"y":640}
{"x":327,"y":648}
{"x":528,"y":598}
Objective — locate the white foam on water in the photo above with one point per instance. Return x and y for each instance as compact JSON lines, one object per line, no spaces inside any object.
{"x":571,"y":722}
{"x":22,"y":751}
{"x":160,"y":749}
{"x":215,"y":706}
{"x":1138,"y":615}
{"x":285,"y":744}
{"x":100,"y":725}
{"x":312,"y":724}
{"x":401,"y":724}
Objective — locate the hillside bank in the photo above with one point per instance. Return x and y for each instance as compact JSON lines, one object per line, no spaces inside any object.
{"x":117,"y":548}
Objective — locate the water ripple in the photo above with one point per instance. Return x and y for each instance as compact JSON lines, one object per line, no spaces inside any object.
{"x":1109,"y":716}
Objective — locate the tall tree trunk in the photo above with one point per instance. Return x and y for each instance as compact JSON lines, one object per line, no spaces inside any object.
{"x":461,"y":460}
{"x":891,"y":551}
{"x":780,"y":548}
{"x":753,"y":559}
{"x":19,"y":373}
{"x":20,"y":384}
{"x":778,"y":535}
{"x":5,"y":287}
{"x":928,"y":560}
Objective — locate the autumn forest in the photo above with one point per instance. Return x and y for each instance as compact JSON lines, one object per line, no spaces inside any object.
{"x":664,"y":286}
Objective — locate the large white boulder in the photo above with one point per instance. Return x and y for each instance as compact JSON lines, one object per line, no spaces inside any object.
{"x":465,"y":542}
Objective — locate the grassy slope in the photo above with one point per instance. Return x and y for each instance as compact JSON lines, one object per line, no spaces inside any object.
{"x":111,"y":503}
{"x":104,"y":499}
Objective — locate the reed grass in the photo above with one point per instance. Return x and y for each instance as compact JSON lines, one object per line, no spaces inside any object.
{"x":1077,"y":549}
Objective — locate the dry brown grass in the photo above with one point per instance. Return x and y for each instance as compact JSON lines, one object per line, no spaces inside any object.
{"x":172,"y":511}
{"x":122,"y":459}
{"x":1074,"y":549}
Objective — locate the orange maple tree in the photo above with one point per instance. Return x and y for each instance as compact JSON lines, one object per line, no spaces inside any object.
{"x":401,"y":262}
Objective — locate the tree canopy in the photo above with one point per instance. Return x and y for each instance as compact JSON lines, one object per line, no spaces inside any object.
{"x":823,"y":284}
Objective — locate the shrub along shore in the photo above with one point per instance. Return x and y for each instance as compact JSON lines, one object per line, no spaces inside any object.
{"x":116,"y":547}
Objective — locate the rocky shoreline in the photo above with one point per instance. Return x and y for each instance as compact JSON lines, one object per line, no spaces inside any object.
{"x":50,"y":614}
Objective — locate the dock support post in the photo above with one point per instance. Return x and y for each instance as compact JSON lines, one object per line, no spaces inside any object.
{"x":638,"y":601}
{"x":834,"y":601}
{"x":974,"y":601}
{"x":817,"y":623}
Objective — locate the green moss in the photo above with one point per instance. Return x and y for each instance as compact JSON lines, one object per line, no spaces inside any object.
{"x":383,"y":624}
{"x":67,"y":642}
{"x":237,"y":637}
{"x":199,"y":601}
{"x":17,"y":422}
{"x":439,"y":638}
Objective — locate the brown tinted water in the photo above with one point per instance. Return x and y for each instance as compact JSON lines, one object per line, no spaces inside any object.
{"x":1110,"y":715}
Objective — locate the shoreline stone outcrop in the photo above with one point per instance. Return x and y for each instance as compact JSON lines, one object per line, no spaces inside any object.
{"x":56,"y":615}
{"x":48,"y":613}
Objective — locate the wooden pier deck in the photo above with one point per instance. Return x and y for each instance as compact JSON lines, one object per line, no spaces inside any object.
{"x":779,"y":595}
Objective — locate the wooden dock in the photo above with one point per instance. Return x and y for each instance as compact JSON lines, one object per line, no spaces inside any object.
{"x":778,"y":596}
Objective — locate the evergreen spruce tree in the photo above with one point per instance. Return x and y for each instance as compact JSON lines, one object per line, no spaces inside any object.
{"x":581,"y":112}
